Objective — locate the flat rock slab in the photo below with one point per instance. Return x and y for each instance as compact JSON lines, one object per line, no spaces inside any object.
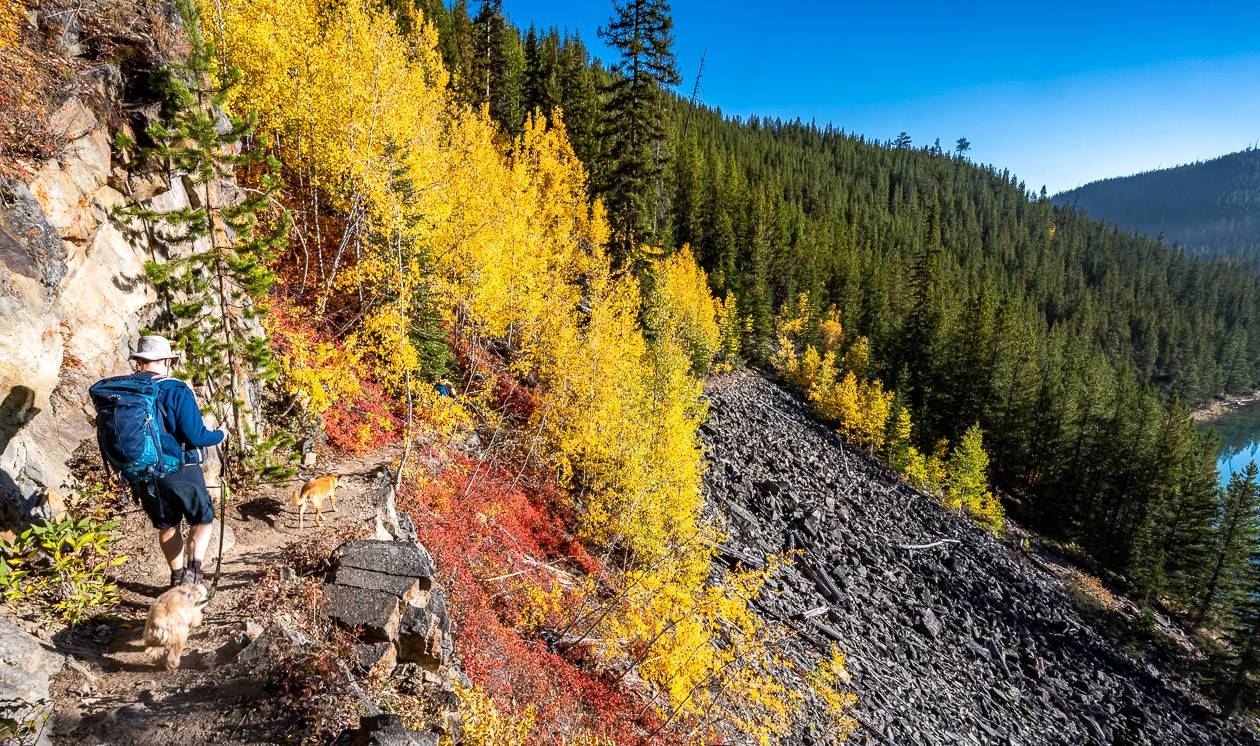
{"x":405,"y":558}
{"x":404,"y":587}
{"x":375,"y":612}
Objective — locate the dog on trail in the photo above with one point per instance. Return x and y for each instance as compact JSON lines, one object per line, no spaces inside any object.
{"x":172,"y":617}
{"x":315,"y":492}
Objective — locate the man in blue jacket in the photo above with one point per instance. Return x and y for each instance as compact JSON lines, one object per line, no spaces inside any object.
{"x":182,"y":495}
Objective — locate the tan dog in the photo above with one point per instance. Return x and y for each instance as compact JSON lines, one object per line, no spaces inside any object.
{"x":315,"y":492}
{"x":172,"y":617}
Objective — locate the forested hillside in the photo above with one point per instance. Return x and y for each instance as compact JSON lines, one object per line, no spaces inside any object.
{"x":1210,"y":208}
{"x":913,"y":294}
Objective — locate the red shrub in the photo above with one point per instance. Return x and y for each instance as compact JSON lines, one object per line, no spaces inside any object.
{"x":493,"y":543}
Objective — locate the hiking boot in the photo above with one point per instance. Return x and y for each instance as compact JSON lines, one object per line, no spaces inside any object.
{"x":194,"y":575}
{"x":177,"y":576}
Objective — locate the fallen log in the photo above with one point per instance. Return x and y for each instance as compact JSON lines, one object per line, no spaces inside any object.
{"x":732,"y":554}
{"x":934,"y":544}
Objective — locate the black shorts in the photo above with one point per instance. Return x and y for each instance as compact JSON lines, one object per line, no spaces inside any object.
{"x":180,"y":496}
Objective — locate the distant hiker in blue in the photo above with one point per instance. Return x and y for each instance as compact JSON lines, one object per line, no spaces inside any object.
{"x":181,"y":495}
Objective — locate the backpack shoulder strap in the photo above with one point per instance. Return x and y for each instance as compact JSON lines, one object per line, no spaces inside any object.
{"x":185,"y":384}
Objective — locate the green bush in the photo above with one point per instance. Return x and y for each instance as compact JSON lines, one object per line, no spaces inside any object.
{"x":22,"y":722}
{"x":61,"y":568}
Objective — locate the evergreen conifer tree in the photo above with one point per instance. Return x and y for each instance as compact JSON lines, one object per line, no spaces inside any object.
{"x":1237,"y":538}
{"x":214,"y":286}
{"x":635,"y":122}
{"x":1241,"y":683}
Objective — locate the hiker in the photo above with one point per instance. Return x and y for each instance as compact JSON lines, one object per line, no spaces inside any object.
{"x":180,"y":495}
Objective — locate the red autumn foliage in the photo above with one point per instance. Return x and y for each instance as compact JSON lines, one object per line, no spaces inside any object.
{"x":357,"y":424}
{"x":481,"y":527}
{"x":514,"y":399}
{"x":365,"y":422}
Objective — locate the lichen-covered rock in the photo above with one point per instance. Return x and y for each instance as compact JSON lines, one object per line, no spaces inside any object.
{"x":404,"y":587}
{"x":385,"y":730}
{"x":424,"y":634}
{"x":376,"y":658}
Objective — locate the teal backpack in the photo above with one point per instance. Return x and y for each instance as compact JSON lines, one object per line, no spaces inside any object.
{"x":129,"y":427}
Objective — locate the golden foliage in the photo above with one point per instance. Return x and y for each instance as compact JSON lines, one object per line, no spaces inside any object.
{"x":508,"y":245}
{"x":484,"y":724}
{"x":826,"y":681}
{"x":862,"y":411}
{"x":11,"y":17}
{"x":966,"y":484}
{"x":732,"y":329}
{"x":702,"y":648}
{"x":831,"y":331}
{"x":680,"y":305}
{"x":317,"y":372}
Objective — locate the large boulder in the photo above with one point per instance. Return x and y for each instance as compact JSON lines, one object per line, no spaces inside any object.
{"x":424,"y":634}
{"x":398,"y":558}
{"x":26,"y":668}
{"x":375,"y":613}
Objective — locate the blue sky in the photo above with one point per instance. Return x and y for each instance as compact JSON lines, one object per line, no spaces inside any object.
{"x":1061,"y":93}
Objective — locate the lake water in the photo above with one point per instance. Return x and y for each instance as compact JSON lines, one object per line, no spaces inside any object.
{"x":1240,"y":439}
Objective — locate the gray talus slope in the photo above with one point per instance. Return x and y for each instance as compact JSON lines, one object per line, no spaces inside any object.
{"x":962,"y":643}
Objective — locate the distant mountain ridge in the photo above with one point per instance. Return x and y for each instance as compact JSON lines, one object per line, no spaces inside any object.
{"x":1210,"y":208}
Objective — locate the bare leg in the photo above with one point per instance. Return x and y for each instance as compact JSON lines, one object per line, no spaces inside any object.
{"x":199,"y":539}
{"x":172,"y":543}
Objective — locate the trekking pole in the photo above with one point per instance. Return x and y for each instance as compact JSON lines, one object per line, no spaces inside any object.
{"x":223,"y":490}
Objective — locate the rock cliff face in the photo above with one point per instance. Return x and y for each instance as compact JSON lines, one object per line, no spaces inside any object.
{"x":964,"y":642}
{"x":73,"y":292}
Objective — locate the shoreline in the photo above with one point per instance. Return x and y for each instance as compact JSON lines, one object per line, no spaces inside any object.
{"x":1221,"y":407}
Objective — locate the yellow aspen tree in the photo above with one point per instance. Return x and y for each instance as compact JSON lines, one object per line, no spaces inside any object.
{"x":875,"y":408}
{"x":731,"y":334}
{"x":822,"y":390}
{"x":831,"y":331}
{"x":857,"y":359}
{"x":967,"y":481}
{"x":848,"y":408}
{"x":900,"y":440}
{"x":807,"y":371}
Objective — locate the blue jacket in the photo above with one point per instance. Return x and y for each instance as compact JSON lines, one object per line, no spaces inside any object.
{"x":183,"y":430}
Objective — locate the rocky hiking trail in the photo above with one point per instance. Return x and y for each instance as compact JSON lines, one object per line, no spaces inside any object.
{"x":109,"y":692}
{"x":952,"y":636}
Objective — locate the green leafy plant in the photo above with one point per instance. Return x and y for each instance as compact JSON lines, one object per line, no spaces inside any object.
{"x":22,"y":722}
{"x":62,"y":568}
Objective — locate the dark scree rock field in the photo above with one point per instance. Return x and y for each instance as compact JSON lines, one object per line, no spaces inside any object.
{"x":960,"y":643}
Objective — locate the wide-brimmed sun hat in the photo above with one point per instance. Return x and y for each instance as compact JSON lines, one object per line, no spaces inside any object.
{"x":153,"y":347}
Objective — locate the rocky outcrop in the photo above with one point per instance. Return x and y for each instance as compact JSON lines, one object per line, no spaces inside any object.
{"x":962,"y":642}
{"x":73,"y":291}
{"x":26,"y":667}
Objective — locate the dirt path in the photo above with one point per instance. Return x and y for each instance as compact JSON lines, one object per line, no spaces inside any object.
{"x":111,"y":693}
